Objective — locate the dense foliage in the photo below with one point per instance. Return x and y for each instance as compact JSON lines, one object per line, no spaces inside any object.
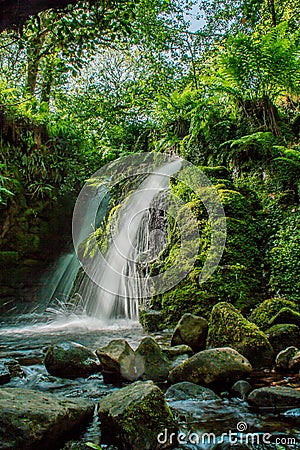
{"x":83,"y":86}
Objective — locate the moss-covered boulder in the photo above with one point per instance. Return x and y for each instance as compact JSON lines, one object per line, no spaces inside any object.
{"x":286,"y":315}
{"x":228,"y":328}
{"x":118,"y":360}
{"x":134,"y":416}
{"x":155,"y":364}
{"x":31,"y":419}
{"x":71,"y":360}
{"x":285,"y":397}
{"x":283,"y":358}
{"x":264,"y":312}
{"x":213,"y":366}
{"x":191,"y":330}
{"x":282,"y":336}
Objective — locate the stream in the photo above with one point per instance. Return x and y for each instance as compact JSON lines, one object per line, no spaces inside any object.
{"x":27,"y":342}
{"x":108,"y":310}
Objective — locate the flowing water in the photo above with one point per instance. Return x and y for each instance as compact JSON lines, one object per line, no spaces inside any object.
{"x":96,"y":316}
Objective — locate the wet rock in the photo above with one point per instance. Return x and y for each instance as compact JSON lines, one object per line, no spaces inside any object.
{"x":4,"y":374}
{"x":227,"y":327}
{"x":31,"y":419}
{"x":13,"y":367}
{"x":118,"y":360}
{"x":275,"y":397}
{"x":192,"y":331}
{"x":283,"y":358}
{"x":189,"y":391}
{"x":282,"y":336}
{"x":286,"y":315}
{"x":294,"y":362}
{"x":178,"y":350}
{"x":264,"y":312}
{"x":150,"y":319}
{"x":135,"y":415}
{"x":71,"y":360}
{"x":241,"y":388}
{"x":217,"y":365}
{"x":156,"y":365}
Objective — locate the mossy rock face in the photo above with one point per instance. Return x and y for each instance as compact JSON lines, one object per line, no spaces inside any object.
{"x":227,"y":327}
{"x":264,"y":312}
{"x":238,"y":277}
{"x":282,"y":336}
{"x":286,"y":315}
{"x":150,"y":320}
{"x":134,"y":416}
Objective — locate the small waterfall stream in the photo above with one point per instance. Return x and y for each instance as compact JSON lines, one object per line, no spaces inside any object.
{"x":119,"y":283}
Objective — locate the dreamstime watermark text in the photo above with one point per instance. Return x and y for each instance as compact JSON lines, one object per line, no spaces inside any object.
{"x":239,"y":436}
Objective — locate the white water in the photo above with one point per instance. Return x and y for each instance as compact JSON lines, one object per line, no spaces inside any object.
{"x":118,"y":287}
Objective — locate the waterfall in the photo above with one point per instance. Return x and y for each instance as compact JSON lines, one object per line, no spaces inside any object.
{"x":59,"y":281}
{"x":120,"y":278}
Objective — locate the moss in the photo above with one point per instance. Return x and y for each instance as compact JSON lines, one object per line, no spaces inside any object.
{"x":227,"y":327}
{"x":264,"y":312}
{"x":149,"y":413}
{"x":238,"y":277}
{"x":282,"y":336}
{"x":215,"y":173}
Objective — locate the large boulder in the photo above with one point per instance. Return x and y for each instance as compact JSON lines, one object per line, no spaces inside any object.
{"x":192,"y":331}
{"x":118,"y":360}
{"x":136,"y":415}
{"x":277,"y":397}
{"x":30,"y":419}
{"x":282,"y":336}
{"x":283,"y":358}
{"x":150,"y":356}
{"x":217,"y":365}
{"x":228,"y":328}
{"x":189,"y":391}
{"x":285,"y":315}
{"x":71,"y":360}
{"x":264,"y":312}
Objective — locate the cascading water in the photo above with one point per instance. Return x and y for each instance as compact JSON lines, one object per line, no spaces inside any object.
{"x":118,"y":286}
{"x":59,"y":282}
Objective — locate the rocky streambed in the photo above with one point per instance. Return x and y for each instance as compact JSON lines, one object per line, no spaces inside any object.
{"x":74,"y":380}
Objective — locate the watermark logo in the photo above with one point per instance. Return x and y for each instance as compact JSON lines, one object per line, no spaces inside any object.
{"x":112,"y":268}
{"x":240,"y":436}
